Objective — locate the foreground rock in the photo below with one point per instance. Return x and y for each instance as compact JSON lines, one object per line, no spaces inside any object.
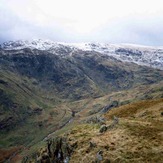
{"x":58,"y":150}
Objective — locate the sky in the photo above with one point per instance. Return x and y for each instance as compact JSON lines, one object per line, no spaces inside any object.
{"x":107,"y":21}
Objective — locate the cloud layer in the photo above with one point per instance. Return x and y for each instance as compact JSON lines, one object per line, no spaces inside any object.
{"x":112,"y":21}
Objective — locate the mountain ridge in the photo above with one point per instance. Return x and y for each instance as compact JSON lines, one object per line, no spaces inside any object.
{"x":142,"y":55}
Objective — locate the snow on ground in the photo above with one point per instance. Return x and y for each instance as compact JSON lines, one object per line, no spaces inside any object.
{"x":142,"y":55}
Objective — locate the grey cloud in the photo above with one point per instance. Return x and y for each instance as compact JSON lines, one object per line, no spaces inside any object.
{"x":132,"y":30}
{"x":138,"y":30}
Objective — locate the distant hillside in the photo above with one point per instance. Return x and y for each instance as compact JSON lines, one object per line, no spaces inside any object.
{"x":141,"y":55}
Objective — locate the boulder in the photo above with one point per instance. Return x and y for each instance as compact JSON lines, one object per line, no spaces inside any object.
{"x":99,"y":156}
{"x":103,"y":128}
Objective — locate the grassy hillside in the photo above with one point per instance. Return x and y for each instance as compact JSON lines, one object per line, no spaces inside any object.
{"x":79,"y":75}
{"x":135,"y":137}
{"x":27,"y":112}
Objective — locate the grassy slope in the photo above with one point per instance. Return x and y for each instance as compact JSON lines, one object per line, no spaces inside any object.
{"x":27,"y":112}
{"x":87,"y":107}
{"x":91,"y":106}
{"x":137,"y":137}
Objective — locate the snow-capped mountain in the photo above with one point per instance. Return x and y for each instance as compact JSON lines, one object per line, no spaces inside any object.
{"x":142,"y":55}
{"x":33,"y":44}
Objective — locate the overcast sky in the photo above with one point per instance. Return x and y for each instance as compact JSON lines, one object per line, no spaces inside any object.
{"x":110,"y":21}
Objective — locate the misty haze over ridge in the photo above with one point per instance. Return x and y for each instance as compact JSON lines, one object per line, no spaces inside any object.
{"x":108,"y":21}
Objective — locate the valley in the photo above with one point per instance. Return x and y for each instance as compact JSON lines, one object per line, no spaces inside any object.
{"x":56,"y":97}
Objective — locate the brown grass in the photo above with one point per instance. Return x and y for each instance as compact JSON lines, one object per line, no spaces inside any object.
{"x":133,"y":108}
{"x":6,"y":153}
{"x":137,"y":138}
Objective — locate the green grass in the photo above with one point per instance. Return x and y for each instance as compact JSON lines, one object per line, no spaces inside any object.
{"x":27,"y":128}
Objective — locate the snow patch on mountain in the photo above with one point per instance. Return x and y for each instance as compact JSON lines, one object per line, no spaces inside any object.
{"x":142,"y":55}
{"x":33,"y":44}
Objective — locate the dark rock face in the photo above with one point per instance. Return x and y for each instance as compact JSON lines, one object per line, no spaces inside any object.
{"x":107,"y":77}
{"x":58,"y":150}
{"x":129,"y":52}
{"x":53,"y":72}
{"x":78,"y":75}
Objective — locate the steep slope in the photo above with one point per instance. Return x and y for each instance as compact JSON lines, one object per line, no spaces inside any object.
{"x":55,"y":73}
{"x":77,"y":74}
{"x":27,"y":113}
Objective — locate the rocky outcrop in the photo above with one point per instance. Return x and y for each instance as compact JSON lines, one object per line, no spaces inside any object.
{"x":96,"y":119}
{"x":129,"y":52}
{"x":58,"y":150}
{"x":105,"y":127}
{"x":110,"y":106}
{"x":99,"y":156}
